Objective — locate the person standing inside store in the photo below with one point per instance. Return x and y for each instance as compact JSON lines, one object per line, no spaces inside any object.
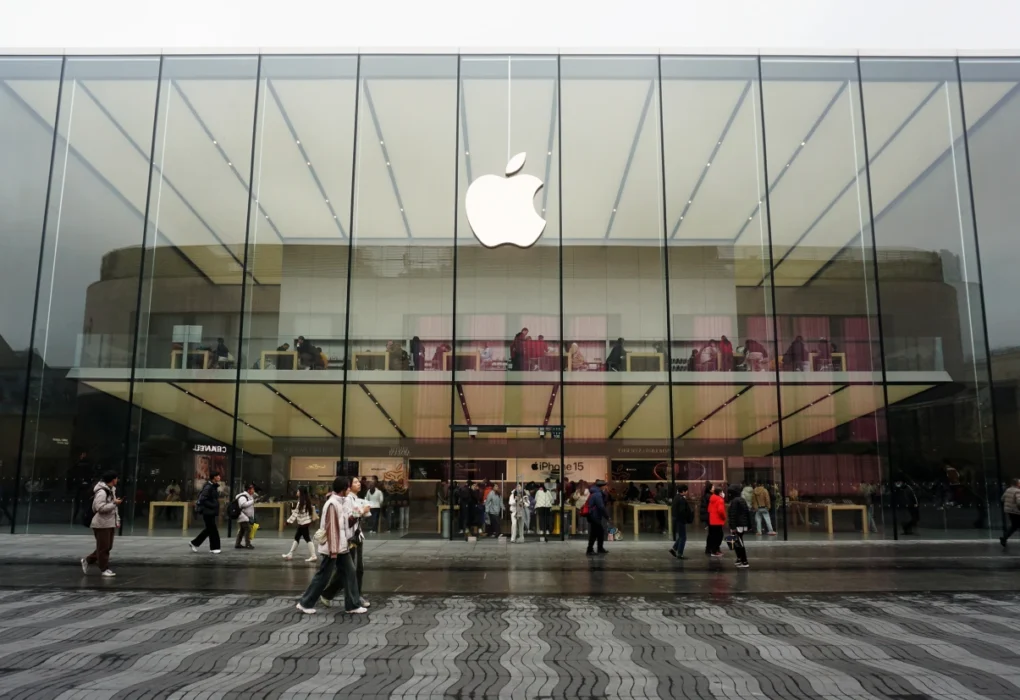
{"x":761,"y":506}
{"x":617,"y":357}
{"x":518,"y":513}
{"x":543,"y":507}
{"x":739,"y":522}
{"x":466,"y":505}
{"x":246,"y":504}
{"x":334,"y":553}
{"x":578,"y":499}
{"x":1011,"y":505}
{"x":716,"y":521}
{"x":706,"y":494}
{"x":104,"y":523}
{"x":417,"y":354}
{"x":682,"y":515}
{"x":907,"y":500}
{"x":598,"y":518}
{"x":494,"y":511}
{"x":208,"y":506}
{"x":375,"y":499}
{"x":726,"y":354}
{"x":303,"y":515}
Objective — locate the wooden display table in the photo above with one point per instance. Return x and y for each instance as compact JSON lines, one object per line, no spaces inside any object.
{"x":838,"y":362}
{"x":801,"y":508}
{"x":286,"y":354}
{"x":465,"y":360}
{"x":185,"y":506}
{"x":177,"y":355}
{"x":371,"y":360}
{"x":280,"y":508}
{"x":646,"y":361}
{"x":636,"y":509}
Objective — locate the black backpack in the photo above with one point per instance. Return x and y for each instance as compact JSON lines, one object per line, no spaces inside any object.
{"x":87,"y":512}
{"x":234,"y":509}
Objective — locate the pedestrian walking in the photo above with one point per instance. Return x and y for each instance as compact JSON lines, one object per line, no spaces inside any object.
{"x":907,"y":499}
{"x":104,"y":523}
{"x":598,"y":518}
{"x":494,"y":510}
{"x":246,"y":517}
{"x":1011,"y":504}
{"x":761,"y":506}
{"x":682,"y":515}
{"x":303,"y":515}
{"x":208,"y":507}
{"x":334,"y":552}
{"x":359,"y":508}
{"x":375,"y":498}
{"x":716,"y":521}
{"x":739,"y":522}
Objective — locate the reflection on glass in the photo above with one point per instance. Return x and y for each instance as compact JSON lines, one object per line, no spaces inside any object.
{"x":942,"y":453}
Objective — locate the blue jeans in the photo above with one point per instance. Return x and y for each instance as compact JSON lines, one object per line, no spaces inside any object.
{"x":680,"y":529}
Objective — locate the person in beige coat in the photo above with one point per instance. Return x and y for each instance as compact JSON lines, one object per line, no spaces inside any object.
{"x":105,"y":521}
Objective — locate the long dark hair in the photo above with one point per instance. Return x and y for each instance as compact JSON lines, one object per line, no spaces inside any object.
{"x":304,"y":503}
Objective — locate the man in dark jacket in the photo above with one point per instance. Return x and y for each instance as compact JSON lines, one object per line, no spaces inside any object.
{"x":466,"y":503}
{"x":682,"y":514}
{"x":208,"y":506}
{"x":598,"y":515}
{"x":706,"y":494}
{"x":907,"y":499}
{"x":739,"y":520}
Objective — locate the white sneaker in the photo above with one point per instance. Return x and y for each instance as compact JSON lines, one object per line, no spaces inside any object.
{"x":215,"y":551}
{"x":358,"y":611}
{"x":325,"y":603}
{"x":109,"y":574}
{"x":306,"y":611}
{"x":193,"y":548}
{"x":364,"y":603}
{"x":288,"y":556}
{"x":84,"y":566}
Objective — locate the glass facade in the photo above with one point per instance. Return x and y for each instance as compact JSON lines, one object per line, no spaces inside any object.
{"x":790,"y":273}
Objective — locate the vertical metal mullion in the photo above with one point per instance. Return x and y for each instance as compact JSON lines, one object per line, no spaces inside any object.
{"x":453,"y":319}
{"x":878,"y":297}
{"x":563,"y":385}
{"x":669,"y":311}
{"x":138,"y":293}
{"x":244,"y":274}
{"x":35,"y":307}
{"x":775,"y":313}
{"x":981,"y":296}
{"x":350,"y":268}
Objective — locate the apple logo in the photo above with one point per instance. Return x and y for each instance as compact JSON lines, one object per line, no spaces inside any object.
{"x":501,"y":210}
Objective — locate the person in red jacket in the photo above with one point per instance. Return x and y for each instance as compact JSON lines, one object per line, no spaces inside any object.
{"x":716,"y":521}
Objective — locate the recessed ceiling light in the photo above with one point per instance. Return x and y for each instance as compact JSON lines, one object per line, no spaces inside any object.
{"x":688,"y":201}
{"x":327,"y":201}
{"x":308,"y":162}
{"x":709,"y":165}
{"x":214,"y":142}
{"x":387,"y":164}
{"x":230,"y":164}
{"x":334,"y":216}
{"x":380,"y":143}
{"x":614,"y":211}
{"x":401,"y":210}
{"x":298,"y":142}
{"x":750,"y":217}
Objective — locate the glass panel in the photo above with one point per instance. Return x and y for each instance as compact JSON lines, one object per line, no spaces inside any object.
{"x":617,"y":402}
{"x":829,"y":355}
{"x":941,"y":443}
{"x":723,"y":338}
{"x":28,"y":104}
{"x":991,"y":92}
{"x":509,"y":356}
{"x":296,"y":287}
{"x":88,"y":287}
{"x":190,"y":317}
{"x":401,"y":290}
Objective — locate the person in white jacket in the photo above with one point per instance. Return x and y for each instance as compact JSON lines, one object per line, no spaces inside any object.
{"x":543,"y":507}
{"x":246,"y":502}
{"x":375,"y":499}
{"x":518,"y":513}
{"x":303,"y":515}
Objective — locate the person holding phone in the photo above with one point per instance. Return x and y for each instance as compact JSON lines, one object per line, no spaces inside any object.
{"x":105,"y":521}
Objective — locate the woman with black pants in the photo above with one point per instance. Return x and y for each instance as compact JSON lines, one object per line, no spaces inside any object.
{"x":739,"y":522}
{"x":208,"y":506}
{"x":716,"y":521}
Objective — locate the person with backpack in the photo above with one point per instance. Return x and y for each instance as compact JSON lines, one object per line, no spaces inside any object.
{"x":683,"y":515}
{"x":243,"y":509}
{"x":303,"y":515}
{"x":208,"y":507}
{"x":104,"y":519}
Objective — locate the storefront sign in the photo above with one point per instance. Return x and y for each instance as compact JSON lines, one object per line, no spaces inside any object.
{"x":211,"y":449}
{"x":575,"y":469}
{"x":313,"y":468}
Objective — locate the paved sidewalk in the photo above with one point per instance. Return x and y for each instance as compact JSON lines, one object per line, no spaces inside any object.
{"x":95,"y":646}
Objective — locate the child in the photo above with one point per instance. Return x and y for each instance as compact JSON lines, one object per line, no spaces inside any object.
{"x":303,"y":515}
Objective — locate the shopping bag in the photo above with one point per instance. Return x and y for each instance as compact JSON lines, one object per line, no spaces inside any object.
{"x":254,"y":530}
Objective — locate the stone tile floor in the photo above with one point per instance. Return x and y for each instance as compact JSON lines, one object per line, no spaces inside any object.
{"x":91,"y":645}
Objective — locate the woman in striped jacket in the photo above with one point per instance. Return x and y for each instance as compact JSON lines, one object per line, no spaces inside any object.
{"x":303,"y":515}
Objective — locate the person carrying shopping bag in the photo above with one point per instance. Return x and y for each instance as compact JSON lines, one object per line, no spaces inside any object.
{"x":245,"y":518}
{"x":303,"y":515}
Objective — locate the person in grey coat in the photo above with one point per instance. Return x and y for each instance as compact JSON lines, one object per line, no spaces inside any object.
{"x":105,"y":521}
{"x":246,"y":502}
{"x":494,"y":509}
